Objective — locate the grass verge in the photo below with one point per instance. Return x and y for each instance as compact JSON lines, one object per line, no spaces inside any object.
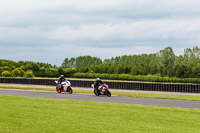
{"x":114,"y":93}
{"x":25,"y":114}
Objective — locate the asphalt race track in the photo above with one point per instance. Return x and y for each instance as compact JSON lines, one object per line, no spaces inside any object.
{"x":112,"y":99}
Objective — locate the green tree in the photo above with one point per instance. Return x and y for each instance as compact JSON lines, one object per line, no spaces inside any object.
{"x":65,"y":63}
{"x":167,"y":59}
{"x":60,"y":71}
{"x":69,"y":63}
{"x":32,"y":66}
{"x":87,"y":61}
{"x":68,"y":72}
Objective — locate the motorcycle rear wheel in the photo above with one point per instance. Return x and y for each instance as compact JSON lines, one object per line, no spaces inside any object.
{"x":58,"y":90}
{"x":96,"y":92}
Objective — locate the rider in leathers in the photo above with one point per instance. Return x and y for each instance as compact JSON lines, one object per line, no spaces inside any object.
{"x":60,"y":80}
{"x":98,"y":83}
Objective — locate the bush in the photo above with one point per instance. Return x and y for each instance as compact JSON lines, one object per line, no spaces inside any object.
{"x":16,"y":73}
{"x":68,"y":72}
{"x":28,"y":74}
{"x":6,"y":74}
{"x":148,"y":78}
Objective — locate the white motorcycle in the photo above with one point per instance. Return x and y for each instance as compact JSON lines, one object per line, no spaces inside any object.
{"x":65,"y":86}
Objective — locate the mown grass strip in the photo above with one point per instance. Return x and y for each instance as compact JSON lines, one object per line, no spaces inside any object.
{"x":157,"y":95}
{"x":114,"y":93}
{"x":24,"y":114}
{"x":27,"y":88}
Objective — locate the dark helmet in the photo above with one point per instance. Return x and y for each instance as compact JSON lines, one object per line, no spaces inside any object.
{"x":98,"y":79}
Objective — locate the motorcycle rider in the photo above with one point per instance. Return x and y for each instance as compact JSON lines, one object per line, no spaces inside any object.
{"x":60,"y":80}
{"x":98,"y":83}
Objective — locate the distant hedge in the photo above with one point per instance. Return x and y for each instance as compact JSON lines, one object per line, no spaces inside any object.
{"x":148,"y":78}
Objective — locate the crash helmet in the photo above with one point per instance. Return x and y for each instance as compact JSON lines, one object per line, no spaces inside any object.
{"x":97,"y":79}
{"x":62,"y":76}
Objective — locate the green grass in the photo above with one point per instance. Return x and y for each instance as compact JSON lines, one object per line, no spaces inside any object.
{"x":27,"y":88}
{"x":114,"y":93}
{"x":24,"y":114}
{"x":158,"y":96}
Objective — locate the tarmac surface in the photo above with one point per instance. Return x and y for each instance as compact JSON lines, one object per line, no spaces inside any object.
{"x":102,"y":98}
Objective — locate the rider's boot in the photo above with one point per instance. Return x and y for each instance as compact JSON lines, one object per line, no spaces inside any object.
{"x":59,"y":88}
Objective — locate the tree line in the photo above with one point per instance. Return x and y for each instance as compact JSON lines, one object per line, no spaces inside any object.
{"x":28,"y":69}
{"x":155,"y":66}
{"x":164,"y":63}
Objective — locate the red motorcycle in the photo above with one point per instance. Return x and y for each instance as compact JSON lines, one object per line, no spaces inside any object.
{"x":102,"y":90}
{"x":66,"y":87}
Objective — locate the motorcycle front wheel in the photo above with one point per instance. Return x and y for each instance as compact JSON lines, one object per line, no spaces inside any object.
{"x":70,"y":90}
{"x":108,"y":94}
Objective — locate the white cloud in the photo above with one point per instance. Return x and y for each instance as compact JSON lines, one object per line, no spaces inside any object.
{"x":19,"y":33}
{"x":79,"y":27}
{"x":153,"y":30}
{"x":12,"y":10}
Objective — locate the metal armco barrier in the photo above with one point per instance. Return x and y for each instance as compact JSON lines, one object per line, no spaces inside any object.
{"x":192,"y":88}
{"x":28,"y":81}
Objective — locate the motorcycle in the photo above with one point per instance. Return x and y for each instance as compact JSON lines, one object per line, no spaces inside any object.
{"x":102,"y":90}
{"x":65,"y":87}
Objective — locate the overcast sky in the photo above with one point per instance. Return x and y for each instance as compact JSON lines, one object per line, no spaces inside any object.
{"x":51,"y":30}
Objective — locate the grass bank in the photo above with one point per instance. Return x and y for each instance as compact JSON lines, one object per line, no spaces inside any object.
{"x":24,"y":114}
